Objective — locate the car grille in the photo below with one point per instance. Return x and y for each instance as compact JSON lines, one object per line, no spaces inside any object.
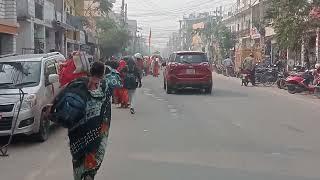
{"x":6,"y":108}
{"x":5,"y":123}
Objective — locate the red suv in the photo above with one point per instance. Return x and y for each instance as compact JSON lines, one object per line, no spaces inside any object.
{"x":188,"y":69}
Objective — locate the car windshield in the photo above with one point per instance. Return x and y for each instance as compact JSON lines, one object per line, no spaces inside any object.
{"x":191,"y":58}
{"x":22,"y":73}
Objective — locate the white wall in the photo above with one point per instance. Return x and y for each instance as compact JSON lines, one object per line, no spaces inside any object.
{"x":49,"y":13}
{"x":25,"y":37}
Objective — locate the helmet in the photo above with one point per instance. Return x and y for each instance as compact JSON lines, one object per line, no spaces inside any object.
{"x":317,"y":66}
{"x":138,"y":56}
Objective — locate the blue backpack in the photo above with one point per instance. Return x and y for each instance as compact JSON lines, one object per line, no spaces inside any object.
{"x":69,"y":107}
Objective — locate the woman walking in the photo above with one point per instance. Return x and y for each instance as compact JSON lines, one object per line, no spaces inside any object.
{"x":132,"y":80}
{"x":84,"y":108}
{"x":156,"y":66}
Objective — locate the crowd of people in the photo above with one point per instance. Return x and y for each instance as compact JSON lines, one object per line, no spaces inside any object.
{"x":84,"y":104}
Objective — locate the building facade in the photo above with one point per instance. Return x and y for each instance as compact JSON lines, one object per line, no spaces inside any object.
{"x":8,"y":27}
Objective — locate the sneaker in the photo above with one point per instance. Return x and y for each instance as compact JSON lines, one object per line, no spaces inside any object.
{"x":132,"y":111}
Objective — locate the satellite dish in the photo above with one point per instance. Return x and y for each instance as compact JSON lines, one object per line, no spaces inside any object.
{"x":291,"y":62}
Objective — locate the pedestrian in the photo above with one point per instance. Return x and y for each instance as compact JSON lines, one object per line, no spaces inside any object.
{"x":132,"y":80}
{"x":84,"y":108}
{"x":156,"y":66}
{"x":121,"y":93}
{"x":139,"y":63}
{"x":248,"y":65}
{"x":228,"y":65}
{"x":76,"y":66}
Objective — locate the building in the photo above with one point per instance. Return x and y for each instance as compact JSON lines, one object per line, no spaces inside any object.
{"x":8,"y":27}
{"x":132,"y":31}
{"x":36,"y":33}
{"x":242,"y":19}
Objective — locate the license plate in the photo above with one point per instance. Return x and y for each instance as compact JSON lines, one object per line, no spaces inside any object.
{"x":190,"y":71}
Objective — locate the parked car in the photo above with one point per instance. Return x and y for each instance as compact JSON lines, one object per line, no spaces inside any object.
{"x":188,"y":69}
{"x":37,"y":77}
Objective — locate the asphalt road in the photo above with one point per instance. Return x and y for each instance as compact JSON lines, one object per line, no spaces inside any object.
{"x":237,"y":133}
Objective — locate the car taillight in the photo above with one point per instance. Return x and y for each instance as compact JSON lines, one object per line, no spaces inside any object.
{"x":173,"y":66}
{"x":207,"y":65}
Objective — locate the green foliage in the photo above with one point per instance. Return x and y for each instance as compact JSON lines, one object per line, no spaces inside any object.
{"x":105,"y":6}
{"x":220,"y":33}
{"x":112,"y":38}
{"x":291,"y":21}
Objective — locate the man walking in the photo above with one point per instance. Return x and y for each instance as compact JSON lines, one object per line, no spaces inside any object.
{"x":248,"y":65}
{"x":228,"y":65}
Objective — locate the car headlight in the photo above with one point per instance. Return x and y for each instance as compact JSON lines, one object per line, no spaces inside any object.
{"x":28,"y":102}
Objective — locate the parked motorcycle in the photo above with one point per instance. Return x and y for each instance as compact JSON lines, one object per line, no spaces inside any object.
{"x":245,"y":77}
{"x":270,"y":75}
{"x":281,"y":80}
{"x":299,"y":83}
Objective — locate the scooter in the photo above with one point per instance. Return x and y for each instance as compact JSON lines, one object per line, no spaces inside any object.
{"x":298,"y":83}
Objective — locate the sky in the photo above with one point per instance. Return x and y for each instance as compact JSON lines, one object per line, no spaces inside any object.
{"x":163,"y":16}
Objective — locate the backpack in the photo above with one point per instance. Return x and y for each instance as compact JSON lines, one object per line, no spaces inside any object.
{"x":130,"y":80}
{"x":69,"y":107}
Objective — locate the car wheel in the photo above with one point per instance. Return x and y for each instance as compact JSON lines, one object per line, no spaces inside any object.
{"x":292,"y":89}
{"x":44,"y":129}
{"x":208,"y":90}
{"x":168,"y":89}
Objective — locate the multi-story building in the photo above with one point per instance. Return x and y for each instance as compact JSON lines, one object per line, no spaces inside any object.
{"x":36,"y":33}
{"x":242,"y":20}
{"x":51,"y":24}
{"x":8,"y":27}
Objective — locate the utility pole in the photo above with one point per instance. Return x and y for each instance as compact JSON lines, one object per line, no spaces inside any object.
{"x":123,"y":12}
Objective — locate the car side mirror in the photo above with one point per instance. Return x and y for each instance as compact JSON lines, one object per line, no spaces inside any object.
{"x":53,"y":78}
{"x":164,"y":64}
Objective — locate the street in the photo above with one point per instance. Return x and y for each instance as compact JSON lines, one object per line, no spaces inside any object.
{"x":237,"y":133}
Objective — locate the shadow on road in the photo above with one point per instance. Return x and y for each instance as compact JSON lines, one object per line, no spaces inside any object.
{"x":215,"y":93}
{"x":229,"y":93}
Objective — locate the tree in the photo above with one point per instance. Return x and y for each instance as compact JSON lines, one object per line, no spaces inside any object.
{"x":112,"y":38}
{"x":221,"y":34}
{"x":291,"y":21}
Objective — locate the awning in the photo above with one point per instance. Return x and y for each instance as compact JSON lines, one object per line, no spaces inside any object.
{"x":8,"y":28}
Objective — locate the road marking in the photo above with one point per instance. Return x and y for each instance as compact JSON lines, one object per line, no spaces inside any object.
{"x":236,"y":124}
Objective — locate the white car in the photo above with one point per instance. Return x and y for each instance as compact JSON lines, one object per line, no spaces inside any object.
{"x":32,"y":81}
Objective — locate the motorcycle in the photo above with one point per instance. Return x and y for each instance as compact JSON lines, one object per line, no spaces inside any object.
{"x":281,"y":80}
{"x":298,"y":83}
{"x":230,"y":70}
{"x":245,"y":77}
{"x":270,"y":76}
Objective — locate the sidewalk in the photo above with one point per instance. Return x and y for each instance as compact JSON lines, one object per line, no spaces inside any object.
{"x":274,"y":89}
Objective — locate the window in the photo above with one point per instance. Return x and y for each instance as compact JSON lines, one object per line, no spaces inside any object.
{"x":27,"y":72}
{"x":191,"y":58}
{"x":50,"y":68}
